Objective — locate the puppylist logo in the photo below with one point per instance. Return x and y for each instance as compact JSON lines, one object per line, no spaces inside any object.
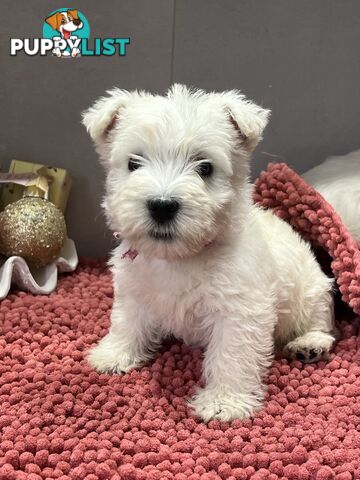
{"x":66,"y":34}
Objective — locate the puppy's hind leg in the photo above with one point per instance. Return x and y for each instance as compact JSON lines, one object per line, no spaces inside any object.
{"x":310,"y":347}
{"x":318,"y":333}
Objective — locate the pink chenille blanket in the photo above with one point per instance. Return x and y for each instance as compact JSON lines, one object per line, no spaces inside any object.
{"x":295,"y":201}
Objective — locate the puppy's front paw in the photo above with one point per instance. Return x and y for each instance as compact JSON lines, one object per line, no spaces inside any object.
{"x":57,"y":52}
{"x":110,"y":357}
{"x":212,"y":404}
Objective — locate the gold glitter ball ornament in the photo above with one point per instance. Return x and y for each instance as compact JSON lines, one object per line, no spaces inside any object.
{"x":32,"y":228}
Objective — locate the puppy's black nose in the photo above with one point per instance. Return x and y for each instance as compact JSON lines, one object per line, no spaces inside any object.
{"x":76,"y":21}
{"x":162,"y":211}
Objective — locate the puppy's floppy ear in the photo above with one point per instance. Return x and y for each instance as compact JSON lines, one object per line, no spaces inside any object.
{"x":101,"y":119}
{"x":54,"y":20}
{"x":73,"y":13}
{"x":247,"y":119}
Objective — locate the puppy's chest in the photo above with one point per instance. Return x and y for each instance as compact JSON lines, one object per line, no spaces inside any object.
{"x":176,"y":297}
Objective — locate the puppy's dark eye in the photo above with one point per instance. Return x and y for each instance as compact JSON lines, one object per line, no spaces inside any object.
{"x":205,"y":169}
{"x":133,"y":164}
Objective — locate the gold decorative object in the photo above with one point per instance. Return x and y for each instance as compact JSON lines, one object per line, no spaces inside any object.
{"x":33,"y":227}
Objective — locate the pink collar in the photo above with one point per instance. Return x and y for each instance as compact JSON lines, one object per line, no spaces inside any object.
{"x":131,"y":253}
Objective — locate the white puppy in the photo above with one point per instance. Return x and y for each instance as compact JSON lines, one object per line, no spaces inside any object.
{"x":338,"y":181}
{"x":198,"y":260}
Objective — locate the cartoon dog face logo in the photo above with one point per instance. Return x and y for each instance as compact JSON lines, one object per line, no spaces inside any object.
{"x":66,"y":23}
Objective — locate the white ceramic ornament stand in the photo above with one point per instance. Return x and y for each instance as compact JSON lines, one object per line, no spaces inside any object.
{"x":41,"y":281}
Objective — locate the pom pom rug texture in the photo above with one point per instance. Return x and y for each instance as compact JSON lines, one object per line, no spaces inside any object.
{"x":60,"y":419}
{"x":295,"y":201}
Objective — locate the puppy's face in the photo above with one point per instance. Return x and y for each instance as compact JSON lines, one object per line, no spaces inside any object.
{"x":175,"y":165}
{"x":65,"y":22}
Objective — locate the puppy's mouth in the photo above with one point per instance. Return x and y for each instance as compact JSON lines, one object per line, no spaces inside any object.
{"x":164,"y":236}
{"x":66,"y":34}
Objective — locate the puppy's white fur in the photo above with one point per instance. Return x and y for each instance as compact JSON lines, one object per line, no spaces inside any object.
{"x":338,"y":181}
{"x":233,"y":276}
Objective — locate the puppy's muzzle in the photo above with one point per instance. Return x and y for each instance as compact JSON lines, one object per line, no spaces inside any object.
{"x":163,"y":211}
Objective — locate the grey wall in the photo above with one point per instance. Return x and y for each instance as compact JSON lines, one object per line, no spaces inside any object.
{"x":299,"y":58}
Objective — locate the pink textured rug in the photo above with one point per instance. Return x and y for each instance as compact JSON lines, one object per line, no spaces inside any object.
{"x":60,"y":419}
